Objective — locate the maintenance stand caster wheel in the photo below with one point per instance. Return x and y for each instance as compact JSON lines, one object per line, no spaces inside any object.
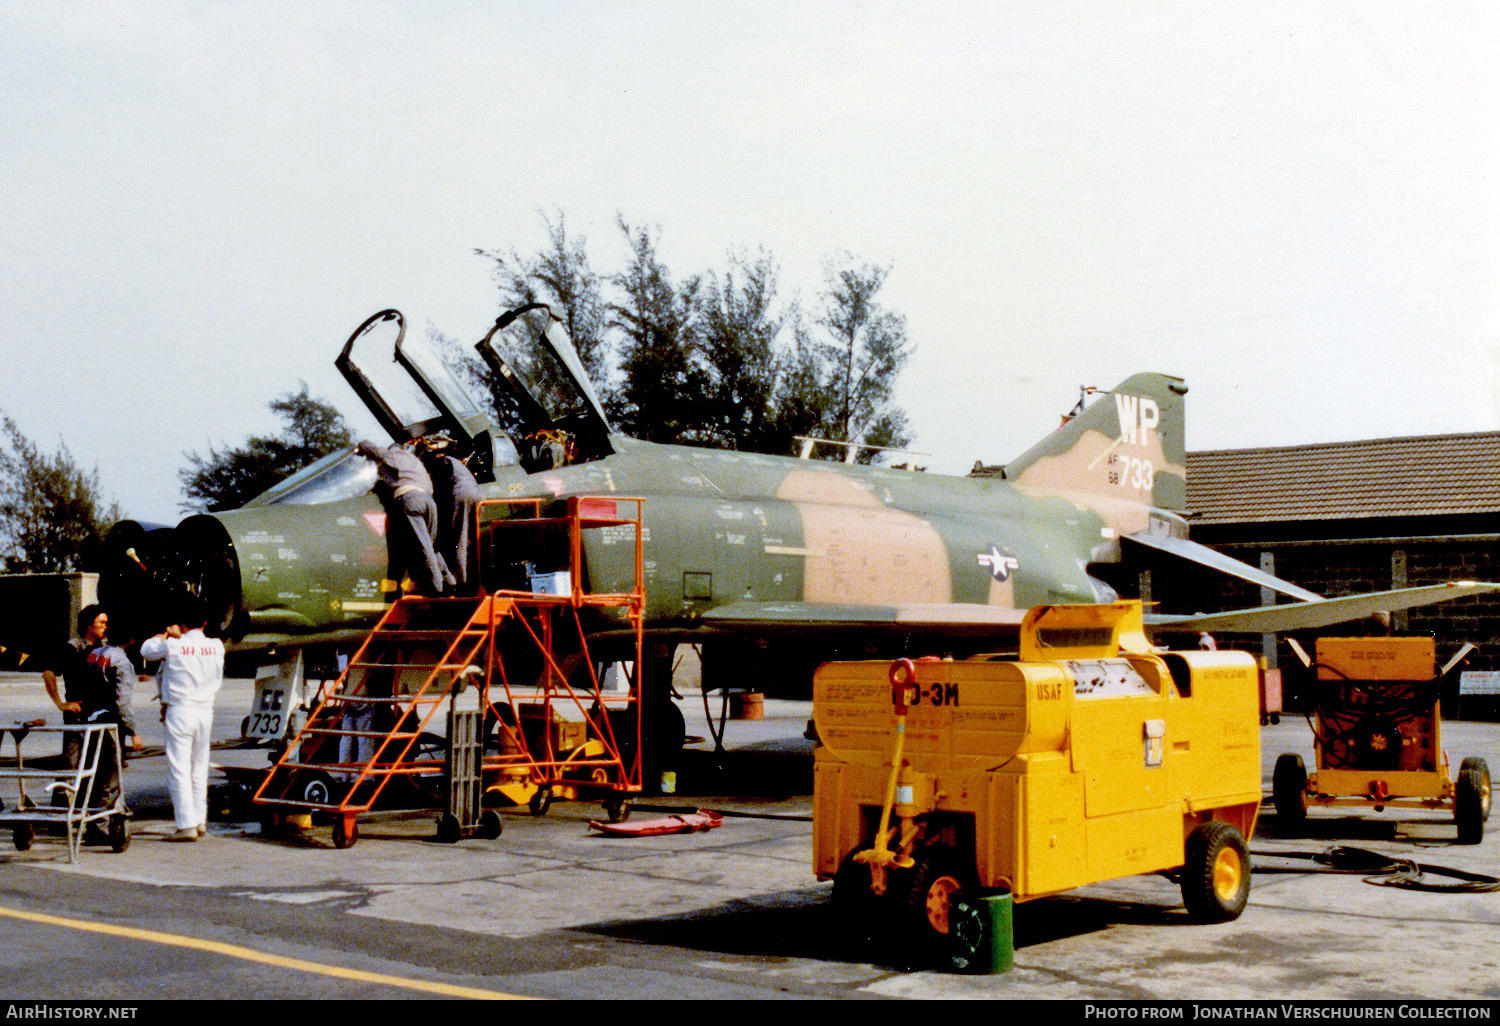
{"x":448,"y":831}
{"x":345,"y":831}
{"x":541,"y":801}
{"x":617,"y":809}
{"x":22,"y":836}
{"x":490,"y":825}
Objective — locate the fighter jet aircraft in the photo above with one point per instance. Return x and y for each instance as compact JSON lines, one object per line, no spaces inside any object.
{"x":771,"y":564}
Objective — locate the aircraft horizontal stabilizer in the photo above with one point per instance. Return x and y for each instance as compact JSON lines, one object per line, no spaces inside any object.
{"x":1205,"y":556}
{"x":1306,"y":615}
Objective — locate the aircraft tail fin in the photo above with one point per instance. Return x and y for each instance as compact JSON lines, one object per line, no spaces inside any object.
{"x":1129,"y":443}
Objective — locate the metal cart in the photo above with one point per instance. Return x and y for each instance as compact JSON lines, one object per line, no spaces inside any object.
{"x":74,"y":783}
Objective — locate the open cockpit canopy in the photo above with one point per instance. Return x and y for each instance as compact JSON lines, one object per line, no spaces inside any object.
{"x":539,"y":409}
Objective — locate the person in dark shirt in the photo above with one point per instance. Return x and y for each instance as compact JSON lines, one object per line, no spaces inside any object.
{"x":70,"y":661}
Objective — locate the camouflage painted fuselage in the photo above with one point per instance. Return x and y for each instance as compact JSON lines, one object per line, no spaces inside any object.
{"x":738,"y":543}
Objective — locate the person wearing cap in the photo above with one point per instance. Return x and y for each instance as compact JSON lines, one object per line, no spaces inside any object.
{"x":405,"y":490}
{"x":108,"y":701}
{"x":192,"y":672}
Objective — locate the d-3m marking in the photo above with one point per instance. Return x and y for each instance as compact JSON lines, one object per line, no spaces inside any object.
{"x":772,"y":564}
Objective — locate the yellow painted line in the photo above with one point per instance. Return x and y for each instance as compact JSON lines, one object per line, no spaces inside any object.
{"x":251,"y":955}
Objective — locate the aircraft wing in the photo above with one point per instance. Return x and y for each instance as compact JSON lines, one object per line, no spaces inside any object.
{"x":948,"y":617}
{"x":1205,"y":556}
{"x":1304,"y":615}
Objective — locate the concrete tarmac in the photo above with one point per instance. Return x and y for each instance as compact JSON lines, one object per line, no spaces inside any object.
{"x":549,"y":910}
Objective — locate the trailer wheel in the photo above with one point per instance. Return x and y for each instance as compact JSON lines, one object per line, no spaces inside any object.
{"x":1215,"y":873}
{"x":490,"y":825}
{"x":22,"y":836}
{"x":1471,"y":801}
{"x":926,"y":894}
{"x":1289,"y":792}
{"x":855,"y":906}
{"x":448,"y":831}
{"x":119,"y":833}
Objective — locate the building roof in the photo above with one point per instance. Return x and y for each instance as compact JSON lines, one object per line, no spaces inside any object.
{"x":1431,"y":475}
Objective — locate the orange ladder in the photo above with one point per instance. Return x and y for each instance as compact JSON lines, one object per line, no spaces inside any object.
{"x":367,"y":730}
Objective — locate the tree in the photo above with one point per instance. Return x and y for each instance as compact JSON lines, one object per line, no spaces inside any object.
{"x":230,"y":478}
{"x":52,"y":518}
{"x":561,"y":277}
{"x":856,"y":361}
{"x":660,"y":397}
{"x":739,"y":345}
{"x":705,"y":360}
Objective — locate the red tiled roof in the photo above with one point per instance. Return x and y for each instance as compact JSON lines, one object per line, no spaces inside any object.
{"x":1422,"y":476}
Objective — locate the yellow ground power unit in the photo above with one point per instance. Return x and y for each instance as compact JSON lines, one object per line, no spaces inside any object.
{"x":942,"y":784}
{"x":1377,"y":734}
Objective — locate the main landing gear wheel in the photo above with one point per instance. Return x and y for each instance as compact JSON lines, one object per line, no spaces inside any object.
{"x":1289,"y":792}
{"x":1215,"y":873}
{"x":345,"y":831}
{"x":317,"y":789}
{"x":1471,"y":800}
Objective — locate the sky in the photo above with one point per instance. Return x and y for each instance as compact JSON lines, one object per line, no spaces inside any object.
{"x":1293,"y":206}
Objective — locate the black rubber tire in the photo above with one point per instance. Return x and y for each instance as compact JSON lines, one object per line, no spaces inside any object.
{"x":119,"y":833}
{"x":345,"y":837}
{"x":448,"y":831}
{"x":856,"y":908}
{"x":664,"y":732}
{"x":491,"y":826}
{"x":924,"y":895}
{"x":23,"y":836}
{"x":317,"y":789}
{"x":1215,"y":873}
{"x":1289,"y":792}
{"x":1471,"y":800}
{"x":968,"y":936}
{"x":541,"y":801}
{"x":617,"y":809}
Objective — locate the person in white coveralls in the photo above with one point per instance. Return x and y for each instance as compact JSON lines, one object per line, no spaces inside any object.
{"x":191,"y":674}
